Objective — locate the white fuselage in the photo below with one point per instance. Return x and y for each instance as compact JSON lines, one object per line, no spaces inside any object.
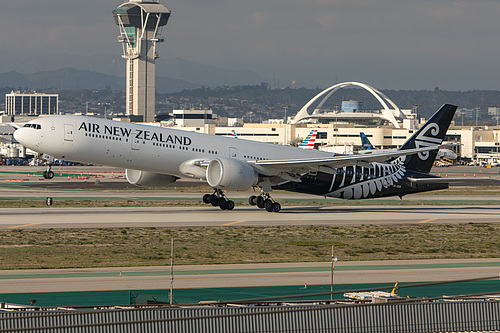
{"x":142,"y":147}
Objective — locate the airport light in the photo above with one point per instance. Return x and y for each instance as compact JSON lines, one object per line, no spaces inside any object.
{"x":334,"y":260}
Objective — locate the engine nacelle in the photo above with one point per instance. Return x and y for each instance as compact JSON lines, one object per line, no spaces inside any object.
{"x":231,"y":175}
{"x":149,"y":179}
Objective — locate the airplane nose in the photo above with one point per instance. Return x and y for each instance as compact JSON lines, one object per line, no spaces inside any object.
{"x":19,"y":135}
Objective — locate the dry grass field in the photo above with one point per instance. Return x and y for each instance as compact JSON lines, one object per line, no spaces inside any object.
{"x":65,"y":248}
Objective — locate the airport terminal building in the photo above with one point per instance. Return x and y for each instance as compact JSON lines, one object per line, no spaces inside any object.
{"x":31,"y":104}
{"x":338,"y":131}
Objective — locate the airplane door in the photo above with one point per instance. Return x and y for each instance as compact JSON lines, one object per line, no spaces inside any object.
{"x":233,"y":152}
{"x":135,"y":142}
{"x":68,"y":132}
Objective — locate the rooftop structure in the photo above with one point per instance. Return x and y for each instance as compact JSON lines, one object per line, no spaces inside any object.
{"x":351,"y":114}
{"x":193,"y":117}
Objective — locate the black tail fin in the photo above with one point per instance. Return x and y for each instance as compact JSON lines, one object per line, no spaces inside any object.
{"x":431,"y":134}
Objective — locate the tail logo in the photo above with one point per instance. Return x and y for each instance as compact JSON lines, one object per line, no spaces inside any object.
{"x":423,"y":140}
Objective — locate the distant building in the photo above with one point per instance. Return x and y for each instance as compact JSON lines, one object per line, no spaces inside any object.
{"x":193,"y":118}
{"x":469,"y":114}
{"x":494,"y":112}
{"x":31,"y":104}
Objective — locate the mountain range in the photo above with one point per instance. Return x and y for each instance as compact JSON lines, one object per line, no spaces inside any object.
{"x":65,"y":71}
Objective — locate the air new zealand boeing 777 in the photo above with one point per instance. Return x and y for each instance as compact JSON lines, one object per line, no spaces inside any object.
{"x":155,"y":156}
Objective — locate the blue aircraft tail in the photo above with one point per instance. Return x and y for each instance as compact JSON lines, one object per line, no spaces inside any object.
{"x":430,"y":134}
{"x":365,"y":143}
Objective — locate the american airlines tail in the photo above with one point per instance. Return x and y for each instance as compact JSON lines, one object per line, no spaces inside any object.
{"x":309,"y":141}
{"x":432,"y":134}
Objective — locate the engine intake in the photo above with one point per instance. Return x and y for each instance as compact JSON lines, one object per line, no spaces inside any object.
{"x":231,"y":175}
{"x":149,"y":179}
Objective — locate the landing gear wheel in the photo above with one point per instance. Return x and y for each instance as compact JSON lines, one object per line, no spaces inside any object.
{"x":260,"y":202}
{"x":214,"y":200}
{"x":48,"y":174}
{"x":268,"y":205}
{"x":265,"y":201}
{"x":206,"y":198}
{"x":218,"y":199}
{"x":221,"y":202}
{"x":229,"y":205}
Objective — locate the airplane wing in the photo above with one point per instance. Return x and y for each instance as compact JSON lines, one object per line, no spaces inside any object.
{"x":274,"y":167}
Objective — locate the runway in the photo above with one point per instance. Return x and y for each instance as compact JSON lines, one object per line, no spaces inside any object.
{"x":245,"y":275}
{"x":453,"y":209}
{"x":198,"y":216}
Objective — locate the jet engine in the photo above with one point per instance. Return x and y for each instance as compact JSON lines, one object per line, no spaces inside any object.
{"x":231,"y":175}
{"x":149,"y":179}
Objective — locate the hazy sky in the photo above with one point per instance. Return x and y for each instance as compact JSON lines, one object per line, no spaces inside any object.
{"x":393,"y":44}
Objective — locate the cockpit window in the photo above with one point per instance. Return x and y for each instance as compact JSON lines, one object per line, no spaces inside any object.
{"x":35,"y":126}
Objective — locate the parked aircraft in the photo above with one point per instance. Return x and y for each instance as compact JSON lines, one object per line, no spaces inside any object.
{"x":309,"y":141}
{"x":365,"y":143}
{"x":154,"y":156}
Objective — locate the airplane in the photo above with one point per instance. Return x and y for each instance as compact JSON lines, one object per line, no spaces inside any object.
{"x":234,"y":134}
{"x":446,"y":153}
{"x":154,"y":156}
{"x":308,"y":142}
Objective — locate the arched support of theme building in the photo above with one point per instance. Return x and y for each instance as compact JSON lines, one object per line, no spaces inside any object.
{"x":387,"y":113}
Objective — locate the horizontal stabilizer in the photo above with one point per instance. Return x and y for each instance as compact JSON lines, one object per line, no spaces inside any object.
{"x":457,"y":181}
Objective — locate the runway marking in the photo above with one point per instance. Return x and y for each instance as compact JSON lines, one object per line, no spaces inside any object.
{"x":24,"y":225}
{"x":429,"y":220}
{"x":231,"y":223}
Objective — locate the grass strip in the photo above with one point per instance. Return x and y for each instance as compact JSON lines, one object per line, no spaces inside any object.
{"x":104,"y":247}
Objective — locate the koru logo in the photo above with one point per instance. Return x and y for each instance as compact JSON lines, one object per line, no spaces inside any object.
{"x":427,"y":138}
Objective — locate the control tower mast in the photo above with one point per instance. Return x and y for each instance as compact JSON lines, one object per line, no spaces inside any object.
{"x":140,"y":24}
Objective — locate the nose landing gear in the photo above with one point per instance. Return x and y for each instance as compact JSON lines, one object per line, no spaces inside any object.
{"x":264,"y":201}
{"x":218,"y":199}
{"x":48,"y":174}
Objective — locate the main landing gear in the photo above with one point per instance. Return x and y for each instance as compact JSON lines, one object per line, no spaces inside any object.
{"x":264,"y":201}
{"x":48,"y":174}
{"x":218,"y":199}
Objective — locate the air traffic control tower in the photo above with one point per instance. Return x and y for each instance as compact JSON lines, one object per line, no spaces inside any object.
{"x":140,"y":24}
